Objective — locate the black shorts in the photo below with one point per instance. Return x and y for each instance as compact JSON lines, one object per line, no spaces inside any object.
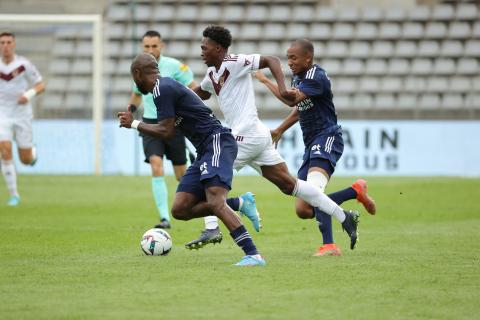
{"x":174,"y":149}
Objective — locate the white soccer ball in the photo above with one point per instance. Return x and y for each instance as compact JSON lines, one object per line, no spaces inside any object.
{"x":156,"y":242}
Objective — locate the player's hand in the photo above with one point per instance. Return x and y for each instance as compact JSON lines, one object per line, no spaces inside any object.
{"x":125,"y":118}
{"x":260,"y":76}
{"x":22,"y":100}
{"x":289,"y":94}
{"x":276,"y":136}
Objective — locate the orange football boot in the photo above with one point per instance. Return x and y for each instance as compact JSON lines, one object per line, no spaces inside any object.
{"x":329,"y":249}
{"x":360,"y":186}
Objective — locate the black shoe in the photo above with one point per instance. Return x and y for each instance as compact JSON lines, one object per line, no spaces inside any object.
{"x":207,"y":236}
{"x":164,"y":224}
{"x":350,"y":226}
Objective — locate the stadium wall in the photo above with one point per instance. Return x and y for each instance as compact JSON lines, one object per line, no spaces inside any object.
{"x":372,"y":148}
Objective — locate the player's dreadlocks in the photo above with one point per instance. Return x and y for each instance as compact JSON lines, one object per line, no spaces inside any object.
{"x":219,"y":34}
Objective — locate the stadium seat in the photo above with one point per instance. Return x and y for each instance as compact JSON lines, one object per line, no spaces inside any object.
{"x":198,"y":68}
{"x":366,"y":31}
{"x":451,"y":48}
{"x":359,"y":49}
{"x":279,"y":13}
{"x":180,"y":49}
{"x":296,"y":30}
{"x":459,"y":30}
{"x":437,"y":84}
{"x":419,"y":13}
{"x":181,"y":31}
{"x":269,"y":48}
{"x":344,"y":85}
{"x":234,"y":13}
{"x":390,"y":31}
{"x":444,"y":66}
{"x":376,"y":66}
{"x":467,"y":11}
{"x":342,"y":102}
{"x":460,"y":84}
{"x":362,"y":101}
{"x":63,"y":48}
{"x":123,"y":84}
{"x":476,"y":30}
{"x":256,"y":13}
{"x":251,"y":31}
{"x":84,"y":49}
{"x":246,"y":47}
{"x":472,"y":48}
{"x":274,"y":31}
{"x":337,"y":49}
{"x":407,"y":101}
{"x":414,"y":84}
{"x":405,"y":49}
{"x":142,"y":13}
{"x":350,"y":14}
{"x":391,"y":84}
{"x":412,"y":30}
{"x":397,"y":14}
{"x":320,"y":31}
{"x":325,"y":14}
{"x":382,"y":49}
{"x":118,"y":13}
{"x":57,"y":83}
{"x":332,"y":66}
{"x":60,"y":66}
{"x":187,"y":13}
{"x":452,"y":101}
{"x":52,"y":100}
{"x":428,"y":48}
{"x":163,"y":12}
{"x":369,"y":84}
{"x":76,"y":101}
{"x":210,"y":14}
{"x":80,"y":84}
{"x":353,"y":67}
{"x":384,"y":101}
{"x":115,"y":31}
{"x":468,"y":66}
{"x":343,"y":31}
{"x":435,"y":30}
{"x":372,"y":14}
{"x":421,"y":66}
{"x":472,"y":100}
{"x":443,"y":12}
{"x":398,"y":67}
{"x":429,"y":101}
{"x":303,"y":13}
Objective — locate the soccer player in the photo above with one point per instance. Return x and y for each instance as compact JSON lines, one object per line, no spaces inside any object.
{"x":20,"y":82}
{"x":174,"y":148}
{"x":322,"y":136}
{"x":229,"y":78}
{"x":204,"y":187}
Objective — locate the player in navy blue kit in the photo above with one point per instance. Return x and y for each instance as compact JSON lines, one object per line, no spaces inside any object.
{"x":203,"y":189}
{"x":314,"y":109}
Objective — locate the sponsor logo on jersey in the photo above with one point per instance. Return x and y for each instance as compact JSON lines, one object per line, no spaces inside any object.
{"x":178,"y":120}
{"x":305,"y":104}
{"x":183,"y":67}
{"x":316,"y":148}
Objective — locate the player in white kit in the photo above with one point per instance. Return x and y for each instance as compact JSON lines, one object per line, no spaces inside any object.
{"x":229,"y":79}
{"x":20,"y":81}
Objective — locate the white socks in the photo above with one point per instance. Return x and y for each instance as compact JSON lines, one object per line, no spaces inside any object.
{"x":211,"y":222}
{"x":10,"y":175}
{"x":316,"y":198}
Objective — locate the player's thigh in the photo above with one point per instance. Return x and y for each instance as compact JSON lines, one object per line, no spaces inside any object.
{"x":152,"y":146}
{"x":268,"y":156}
{"x":175,"y":150}
{"x":23,"y":133}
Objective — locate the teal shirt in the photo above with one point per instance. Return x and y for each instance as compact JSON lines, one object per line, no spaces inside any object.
{"x":171,"y":68}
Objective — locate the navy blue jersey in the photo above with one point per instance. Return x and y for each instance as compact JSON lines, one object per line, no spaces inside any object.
{"x":316,"y":113}
{"x":192,"y":117}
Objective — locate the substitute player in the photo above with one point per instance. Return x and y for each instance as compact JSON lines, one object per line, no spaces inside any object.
{"x":322,"y":136}
{"x":204,"y":187}
{"x":228,"y":77}
{"x":20,"y":82}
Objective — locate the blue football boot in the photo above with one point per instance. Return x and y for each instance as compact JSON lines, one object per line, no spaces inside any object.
{"x":249,"y":209}
{"x":251,"y":261}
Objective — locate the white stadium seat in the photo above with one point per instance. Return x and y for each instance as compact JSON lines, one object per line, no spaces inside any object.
{"x":257,"y":13}
{"x":443,"y":12}
{"x":407,"y":101}
{"x":468,"y":66}
{"x":428,"y":48}
{"x":275,"y":31}
{"x":459,"y":30}
{"x":414,"y":84}
{"x":280,"y":13}
{"x":373,"y":14}
{"x":362,"y":101}
{"x":325,"y":14}
{"x":142,"y":12}
{"x":419,"y":13}
{"x":451,"y":48}
{"x":406,"y":49}
{"x":186,"y":12}
{"x":452,"y":101}
{"x":359,"y":49}
{"x":344,"y":85}
{"x":163,"y":12}
{"x":296,"y":30}
{"x":353,"y":67}
{"x":436,"y":30}
{"x":429,"y":101}
{"x":444,"y":66}
{"x":390,"y":31}
{"x":303,"y":13}
{"x":437,"y":84}
{"x":369,"y":84}
{"x":376,"y":66}
{"x":343,"y":31}
{"x":472,"y":48}
{"x":460,"y":84}
{"x":367,"y":31}
{"x":395,"y":14}
{"x":421,"y":66}
{"x":350,"y":14}
{"x":385,"y":101}
{"x":391,"y":84}
{"x":383,"y":49}
{"x":467,"y":11}
{"x":412,"y":30}
{"x":398,"y":67}
{"x":332,"y":66}
{"x":234,"y":13}
{"x":337,"y":49}
{"x":320,"y":31}
{"x":342,"y":101}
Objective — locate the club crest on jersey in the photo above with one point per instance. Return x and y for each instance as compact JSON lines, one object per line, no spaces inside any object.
{"x":178,"y":121}
{"x":203,"y":169}
{"x":247,"y":62}
{"x":316,"y":148}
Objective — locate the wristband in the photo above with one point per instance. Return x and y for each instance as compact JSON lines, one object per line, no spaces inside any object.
{"x":132,"y":108}
{"x":29,"y":94}
{"x":135,"y":124}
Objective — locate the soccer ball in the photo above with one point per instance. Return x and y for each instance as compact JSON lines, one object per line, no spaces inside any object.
{"x":156,"y":242}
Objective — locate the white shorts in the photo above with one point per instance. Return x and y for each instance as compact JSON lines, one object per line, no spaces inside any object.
{"x":18,"y":129}
{"x":256,"y":152}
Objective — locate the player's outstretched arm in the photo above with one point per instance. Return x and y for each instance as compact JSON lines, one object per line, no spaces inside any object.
{"x":134,"y":102}
{"x":164,"y":129}
{"x":204,"y":95}
{"x":289,"y":121}
{"x":273,"y":63}
{"x":270,"y":85}
{"x":28,"y":95}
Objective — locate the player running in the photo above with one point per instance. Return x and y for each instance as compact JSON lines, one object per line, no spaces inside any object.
{"x":20,"y":81}
{"x":228,"y":77}
{"x":204,"y":187}
{"x":322,"y":136}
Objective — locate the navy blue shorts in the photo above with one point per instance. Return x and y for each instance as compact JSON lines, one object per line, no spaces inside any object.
{"x":212,"y":167}
{"x":324,"y":152}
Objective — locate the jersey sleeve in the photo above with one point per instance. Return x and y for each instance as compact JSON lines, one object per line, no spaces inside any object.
{"x":164,"y":98}
{"x":206,"y":84}
{"x":33,"y":75}
{"x":246,"y":63}
{"x":183,"y":74}
{"x":311,"y":87}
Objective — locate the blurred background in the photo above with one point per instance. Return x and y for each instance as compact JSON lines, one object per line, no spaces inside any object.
{"x":405,"y":76}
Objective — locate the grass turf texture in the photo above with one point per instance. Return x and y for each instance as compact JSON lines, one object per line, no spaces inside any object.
{"x":71,"y":251}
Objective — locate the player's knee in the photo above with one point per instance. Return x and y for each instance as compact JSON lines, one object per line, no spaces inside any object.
{"x":180,"y":212}
{"x":304,"y":213}
{"x":215,"y":206}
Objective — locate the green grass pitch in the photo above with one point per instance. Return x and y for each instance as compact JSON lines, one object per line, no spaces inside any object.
{"x":71,"y":250}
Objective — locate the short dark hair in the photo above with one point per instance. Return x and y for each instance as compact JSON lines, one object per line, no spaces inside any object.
{"x":7,"y":34}
{"x":151,"y":34}
{"x":219,"y":34}
{"x":306,"y":45}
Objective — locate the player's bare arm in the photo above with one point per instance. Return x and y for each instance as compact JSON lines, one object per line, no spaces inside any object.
{"x":289,"y":121}
{"x":28,"y":95}
{"x":296,"y":95}
{"x":204,"y":95}
{"x":134,"y":102}
{"x":164,"y":129}
{"x":193,"y":85}
{"x":273,"y":63}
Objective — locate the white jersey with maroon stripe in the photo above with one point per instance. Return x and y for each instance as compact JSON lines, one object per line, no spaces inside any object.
{"x":15,"y":78}
{"x":232,"y":85}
